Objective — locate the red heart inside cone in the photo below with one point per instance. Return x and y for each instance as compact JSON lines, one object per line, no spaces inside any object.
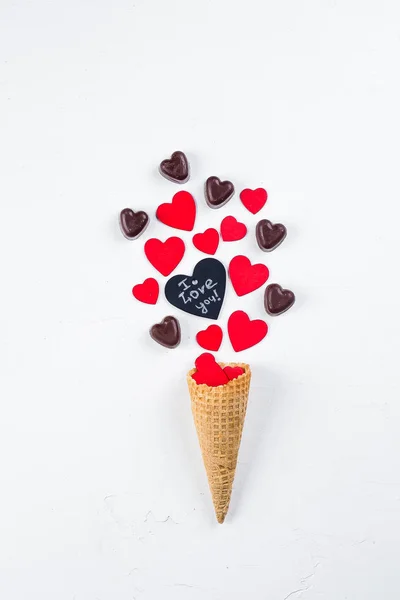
{"x":209,"y":371}
{"x":147,"y":291}
{"x":207,"y":242}
{"x":245,"y":333}
{"x":232,"y":230}
{"x":180,"y":213}
{"x":233,"y":372}
{"x":254,"y":200}
{"x":164,"y":256}
{"x":246,"y":277}
{"x":210,"y":338}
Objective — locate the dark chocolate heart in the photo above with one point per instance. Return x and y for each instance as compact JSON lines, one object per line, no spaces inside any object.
{"x":200,"y":294}
{"x":277,"y":300}
{"x":268,"y":235}
{"x":133,"y":223}
{"x":175,"y":168}
{"x":167,"y":333}
{"x":218,"y":192}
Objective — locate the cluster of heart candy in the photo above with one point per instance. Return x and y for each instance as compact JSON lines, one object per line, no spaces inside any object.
{"x":208,"y":371}
{"x":202,"y":293}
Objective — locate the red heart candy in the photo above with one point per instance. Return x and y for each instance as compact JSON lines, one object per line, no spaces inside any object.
{"x":233,"y":372}
{"x":232,"y":230}
{"x":207,"y":242}
{"x":246,"y":277}
{"x":164,"y":256}
{"x":209,"y":371}
{"x":180,"y":213}
{"x":244,"y":333}
{"x":210,"y":338}
{"x":254,"y":200}
{"x":147,"y":291}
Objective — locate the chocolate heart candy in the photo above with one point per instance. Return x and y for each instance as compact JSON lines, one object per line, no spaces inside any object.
{"x":277,"y":300}
{"x":175,"y":168}
{"x":133,"y":223}
{"x":268,"y":235}
{"x":167,"y":333}
{"x":218,"y":192}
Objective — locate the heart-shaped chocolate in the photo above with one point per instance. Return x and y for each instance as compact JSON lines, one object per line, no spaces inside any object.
{"x":277,"y":300}
{"x":133,"y":223}
{"x":218,"y":192}
{"x":268,"y":235}
{"x":175,"y":168}
{"x":167,"y":333}
{"x":200,"y":294}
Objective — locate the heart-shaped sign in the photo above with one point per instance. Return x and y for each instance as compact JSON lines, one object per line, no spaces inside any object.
{"x":200,"y":294}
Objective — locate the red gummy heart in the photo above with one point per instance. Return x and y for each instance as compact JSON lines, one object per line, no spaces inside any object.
{"x":180,"y":213}
{"x":164,"y":256}
{"x":232,"y":230}
{"x":147,"y":291}
{"x":207,"y":242}
{"x":244,"y":333}
{"x":233,"y":372}
{"x":246,"y":277}
{"x":209,"y":371}
{"x":210,"y":338}
{"x":254,"y":200}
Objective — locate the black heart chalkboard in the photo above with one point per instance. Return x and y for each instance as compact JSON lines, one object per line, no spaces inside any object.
{"x":202,"y":293}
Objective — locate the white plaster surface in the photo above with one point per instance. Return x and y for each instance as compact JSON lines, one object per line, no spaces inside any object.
{"x":103,"y":493}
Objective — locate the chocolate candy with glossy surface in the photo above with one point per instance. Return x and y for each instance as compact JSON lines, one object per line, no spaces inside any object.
{"x":167,"y":333}
{"x":133,"y":223}
{"x":277,"y":300}
{"x":175,"y":168}
{"x":218,"y":192}
{"x":268,"y":235}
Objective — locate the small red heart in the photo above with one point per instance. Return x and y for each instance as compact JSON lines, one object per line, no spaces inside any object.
{"x":210,"y":338}
{"x":233,"y":372}
{"x":254,"y":200}
{"x":246,"y":277}
{"x":209,"y":371}
{"x":147,"y":291}
{"x":164,"y":256}
{"x":207,"y":242}
{"x":180,"y":213}
{"x":244,"y":333}
{"x":232,"y":230}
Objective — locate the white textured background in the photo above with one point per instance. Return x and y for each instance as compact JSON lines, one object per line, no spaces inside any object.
{"x":103,"y":494}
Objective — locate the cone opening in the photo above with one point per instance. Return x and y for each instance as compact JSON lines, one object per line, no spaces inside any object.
{"x":204,"y":386}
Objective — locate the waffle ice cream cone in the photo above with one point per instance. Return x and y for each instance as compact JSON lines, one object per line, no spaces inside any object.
{"x":219,"y":414}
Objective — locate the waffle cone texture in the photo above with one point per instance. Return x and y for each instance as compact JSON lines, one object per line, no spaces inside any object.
{"x":219,"y":414}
